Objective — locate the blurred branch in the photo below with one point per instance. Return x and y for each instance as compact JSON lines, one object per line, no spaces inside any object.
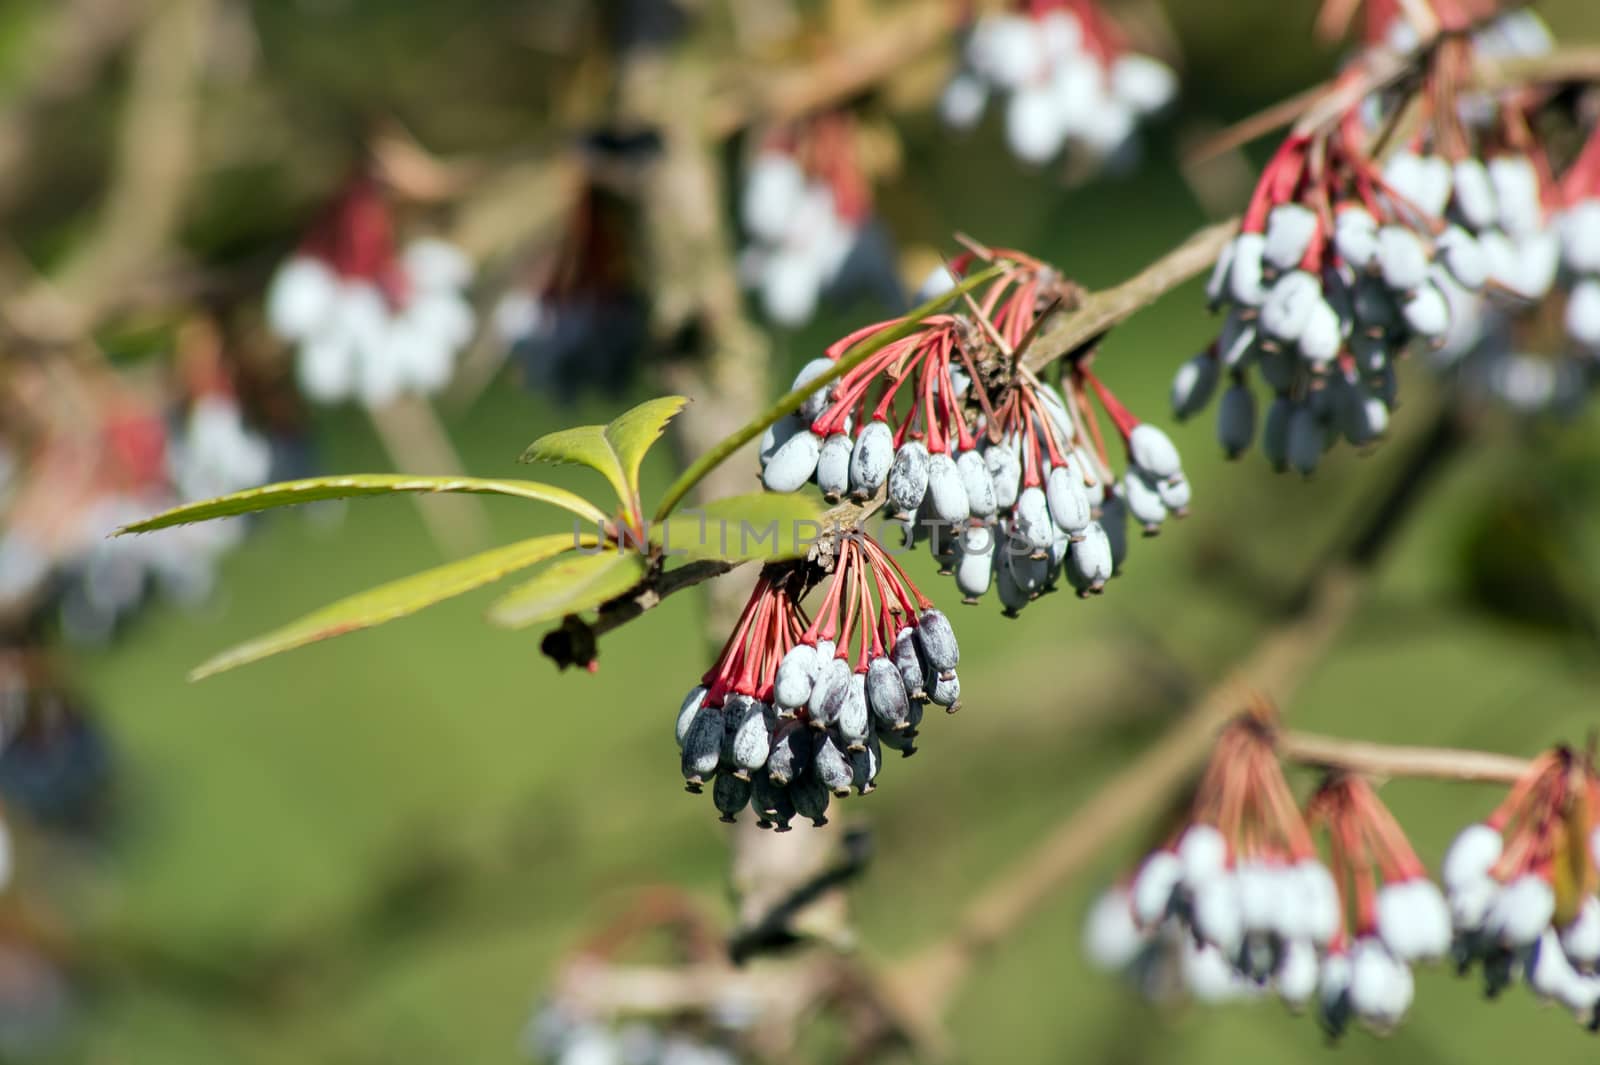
{"x":1383,"y":760}
{"x":1275,"y":668}
{"x":416,"y":442}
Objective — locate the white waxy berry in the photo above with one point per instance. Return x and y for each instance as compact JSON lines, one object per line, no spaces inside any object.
{"x":886,"y":694}
{"x":946,"y":692}
{"x":1377,"y":992}
{"x":1397,"y":920}
{"x":1067,"y":498}
{"x":1089,"y":560}
{"x":1355,"y":238}
{"x":1580,"y":237}
{"x":832,"y":766}
{"x":1516,"y":190}
{"x":833,"y":466}
{"x":1193,"y":385}
{"x":818,"y":401}
{"x":1153,"y":886}
{"x":1538,"y":263}
{"x":936,"y":643}
{"x":690,"y":707}
{"x":752,"y":737}
{"x":1296,"y":979}
{"x":1435,"y":177}
{"x":947,"y":496}
{"x":1209,"y":976}
{"x":871,"y":459}
{"x":1203,"y":851}
{"x":792,"y":686}
{"x":962,"y":102}
{"x":1033,"y":125}
{"x":1521,"y":911}
{"x":1153,"y":451}
{"x":1581,"y":938}
{"x":1288,"y":305}
{"x":1144,"y":501}
{"x":1470,"y":902}
{"x":1403,"y":173}
{"x":793,"y":463}
{"x":1323,"y":334}
{"x":1550,"y":973}
{"x":1031,"y":520}
{"x":1218,"y":918}
{"x":1461,"y":255}
{"x":975,"y":564}
{"x":825,"y":692}
{"x":908,"y":477}
{"x":1005,"y":473}
{"x":778,"y":434}
{"x":301,"y":298}
{"x":1006,"y":49}
{"x":1290,"y":230}
{"x":1426,"y":312}
{"x":1320,"y":909}
{"x":1236,"y":420}
{"x":1261,"y":895}
{"x":1474,"y":195}
{"x":773,"y":188}
{"x":1145,"y":84}
{"x":1245,"y":272}
{"x":978,"y":484}
{"x":1583,"y":313}
{"x":908,"y":662}
{"x":1475,"y":849}
{"x":1402,"y":259}
{"x":1110,"y":937}
{"x":1307,"y":438}
{"x":855,"y":717}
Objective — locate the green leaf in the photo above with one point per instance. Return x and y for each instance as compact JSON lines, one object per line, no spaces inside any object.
{"x":396,"y":599}
{"x":635,"y":432}
{"x":762,"y":525}
{"x":310,"y":490}
{"x":585,"y":445}
{"x":570,"y":586}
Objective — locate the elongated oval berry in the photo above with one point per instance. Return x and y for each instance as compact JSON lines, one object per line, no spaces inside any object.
{"x":1473,"y":194}
{"x":792,"y":686}
{"x":1031,"y":520}
{"x":1110,"y":937}
{"x":1323,"y":334}
{"x":831,"y":765}
{"x":976,"y":481}
{"x":752,"y":737}
{"x":1402,"y":260}
{"x":1093,"y":482}
{"x":975,"y":563}
{"x":864,"y":766}
{"x":825,"y":694}
{"x":1245,"y":272}
{"x":811,"y":798}
{"x":1114,"y":521}
{"x":1067,"y":499}
{"x":1153,"y":451}
{"x":1582,"y":318}
{"x":1217,"y":286}
{"x":1355,"y":238}
{"x":854,"y":717}
{"x":1029,"y":572}
{"x":1307,"y":439}
{"x":946,"y":692}
{"x":946,"y":494}
{"x":1144,"y":502}
{"x":793,"y":463}
{"x":731,"y":794}
{"x":1516,"y":190}
{"x":871,"y":459}
{"x":687,"y":712}
{"x":778,"y":434}
{"x":1275,"y":434}
{"x":908,"y":477}
{"x":1005,"y":473}
{"x":771,"y":803}
{"x":1426,"y":312}
{"x":936,"y":642}
{"x":1089,"y":561}
{"x":1153,"y":885}
{"x":1175,"y":495}
{"x":1236,"y":341}
{"x":702,"y":747}
{"x":1288,"y":305}
{"x":1290,"y":229}
{"x":886,"y":694}
{"x":819,"y":400}
{"x":1012,"y":598}
{"x":833,"y":466}
{"x":1193,"y":385}
{"x":1462,"y":256}
{"x":1236,"y":420}
{"x":1056,"y":408}
{"x":908,"y":661}
{"x":791,"y":752}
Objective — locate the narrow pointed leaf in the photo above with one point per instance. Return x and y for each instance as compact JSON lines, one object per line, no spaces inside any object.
{"x":312,"y":489}
{"x":585,"y":445}
{"x":762,"y":525}
{"x":570,"y":586}
{"x":396,"y":599}
{"x":635,"y":432}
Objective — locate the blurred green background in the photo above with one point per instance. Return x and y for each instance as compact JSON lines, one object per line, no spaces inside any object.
{"x":374,"y":850}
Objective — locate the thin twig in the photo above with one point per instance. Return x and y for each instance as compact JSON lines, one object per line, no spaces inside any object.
{"x":1386,"y":761}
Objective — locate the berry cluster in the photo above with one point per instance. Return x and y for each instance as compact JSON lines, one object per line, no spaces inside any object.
{"x":796,"y":710}
{"x":1343,"y":260}
{"x":806,"y":207}
{"x":1009,"y":480}
{"x":1241,"y":894}
{"x":370,"y":322}
{"x":1072,"y":81}
{"x":560,"y":1037}
{"x":1522,"y":883}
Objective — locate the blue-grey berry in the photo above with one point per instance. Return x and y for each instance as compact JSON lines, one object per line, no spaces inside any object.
{"x":831,"y":765}
{"x":819,"y":400}
{"x":1067,"y":499}
{"x":1307,"y":439}
{"x":908,"y":661}
{"x":833,"y":466}
{"x":1031,"y":520}
{"x":1144,"y":501}
{"x":686,"y":712}
{"x":778,"y":434}
{"x":947,"y":496}
{"x":752,"y":738}
{"x":871,"y":459}
{"x":855,"y":719}
{"x":731,"y":794}
{"x":978,"y":484}
{"x":908,"y":478}
{"x":886,"y":692}
{"x":792,"y":686}
{"x":1193,"y":385}
{"x":1275,"y":434}
{"x":811,"y":798}
{"x":936,"y":642}
{"x":791,"y":752}
{"x":827,"y":693}
{"x":771,"y":803}
{"x":946,"y":692}
{"x":975,"y":562}
{"x":702,"y":747}
{"x":793,"y":463}
{"x":1005,"y":472}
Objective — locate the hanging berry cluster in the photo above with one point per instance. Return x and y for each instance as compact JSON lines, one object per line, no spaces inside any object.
{"x":1345,"y":259}
{"x":797,"y":710}
{"x":1072,"y":80}
{"x":1010,"y":481}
